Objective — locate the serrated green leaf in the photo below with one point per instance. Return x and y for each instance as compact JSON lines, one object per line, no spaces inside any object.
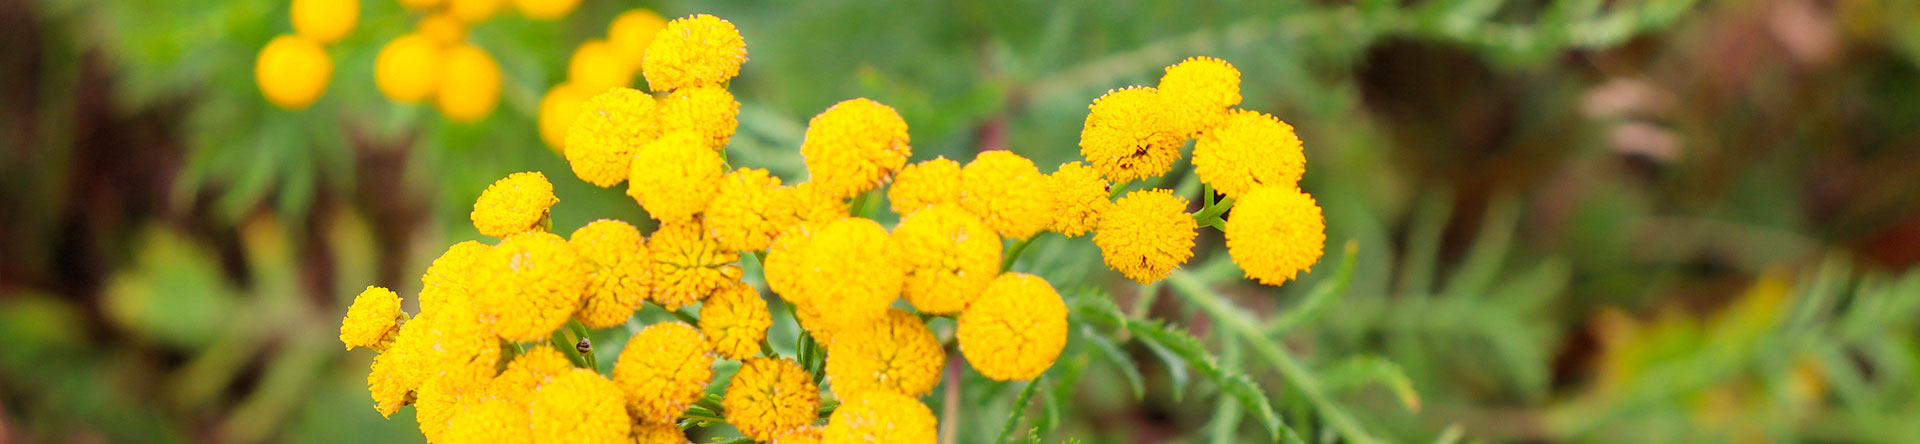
{"x":1105,"y":348}
{"x":1230,"y":380}
{"x":1019,"y":409}
{"x":1362,"y":370}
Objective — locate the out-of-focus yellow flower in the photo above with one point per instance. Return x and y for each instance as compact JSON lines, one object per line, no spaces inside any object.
{"x":707,"y":111}
{"x":770,"y":397}
{"x":442,"y":28}
{"x":546,"y":9}
{"x":881,"y":416}
{"x":1146,"y":235}
{"x":1079,"y":198}
{"x":557,"y":111}
{"x":1016,"y":330}
{"x":736,"y":319}
{"x":742,"y":215}
{"x":924,"y":184}
{"x":373,"y":315}
{"x":580,"y":407}
{"x":449,"y":279}
{"x":408,"y":68}
{"x":633,"y":31}
{"x":693,"y":51}
{"x":605,"y":133}
{"x":469,"y":84}
{"x":663,"y":370}
{"x":531,"y":285}
{"x":950,"y":256}
{"x":528,"y":372}
{"x":854,"y":146}
{"x":597,"y":65}
{"x":1198,"y":92}
{"x":645,"y":433}
{"x":804,"y":435}
{"x":1008,"y":193}
{"x":325,"y":21}
{"x":292,"y":71}
{"x":674,"y":177}
{"x":621,"y":272}
{"x":513,"y":205}
{"x":689,"y":265}
{"x":1249,"y":150}
{"x":490,"y":420}
{"x":1275,"y":232}
{"x":1129,"y":135}
{"x":897,"y":354}
{"x":852,"y":272}
{"x":473,"y":11}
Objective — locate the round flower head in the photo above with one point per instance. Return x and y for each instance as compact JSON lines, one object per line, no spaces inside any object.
{"x":924,"y":184}
{"x":1276,"y":232}
{"x":950,"y":256}
{"x":770,"y":397}
{"x":897,"y":354}
{"x":881,"y":416}
{"x":1080,"y":198}
{"x":607,"y":130}
{"x":408,"y":68}
{"x":557,"y":112}
{"x":694,"y":51}
{"x":443,"y":342}
{"x":737,"y":320}
{"x":597,"y":65}
{"x":806,"y":202}
{"x":633,"y":31}
{"x":513,"y":205}
{"x":620,"y":275}
{"x":545,"y":9}
{"x":1249,"y":150}
{"x":1198,"y":93}
{"x":1129,"y":135}
{"x":325,"y":21}
{"x":812,"y":320}
{"x":804,"y":435}
{"x":1008,"y":193}
{"x":674,"y":177}
{"x":473,"y":11}
{"x":442,"y":28}
{"x":292,"y":71}
{"x":372,"y":316}
{"x":449,"y":279}
{"x":1146,"y":234}
{"x":784,"y":264}
{"x":531,"y":285}
{"x":741,"y":216}
{"x":421,"y":5}
{"x":580,"y":407}
{"x":645,"y":433}
{"x":470,"y":83}
{"x":490,"y":421}
{"x":852,"y":147}
{"x":852,"y":272}
{"x":707,"y":111}
{"x":450,"y":383}
{"x":1016,"y":330}
{"x":435,"y":408}
{"x":663,"y":370}
{"x":689,"y":265}
{"x":528,"y":372}
{"x":391,"y":382}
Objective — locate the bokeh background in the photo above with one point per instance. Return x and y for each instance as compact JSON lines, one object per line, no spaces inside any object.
{"x":1570,"y":221}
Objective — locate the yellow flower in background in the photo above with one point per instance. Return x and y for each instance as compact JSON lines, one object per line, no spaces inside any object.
{"x":490,"y":420}
{"x":742,"y":214}
{"x":736,"y":319}
{"x":1129,"y":135}
{"x":804,"y":435}
{"x":605,"y":133}
{"x":897,"y":353}
{"x":513,"y":205}
{"x":1147,"y":234}
{"x":558,"y":108}
{"x":545,"y":9}
{"x":421,"y":5}
{"x":469,"y":84}
{"x":1008,"y":193}
{"x":1276,"y":232}
{"x":663,"y":370}
{"x":1016,"y":330}
{"x":621,"y":272}
{"x":644,"y":433}
{"x":473,"y":11}
{"x":707,"y":111}
{"x":597,"y":65}
{"x":770,"y":397}
{"x":408,"y":68}
{"x":449,"y":280}
{"x":674,"y":177}
{"x":325,"y":21}
{"x":528,"y":372}
{"x":881,"y":416}
{"x":854,"y":146}
{"x":1079,"y":198}
{"x":852,"y":272}
{"x":292,"y":71}
{"x":372,"y":316}
{"x":689,"y":265}
{"x":1249,"y":150}
{"x":949,"y":255}
{"x":531,"y":285}
{"x":924,"y":184}
{"x":442,"y":28}
{"x":1198,"y":92}
{"x":693,"y":51}
{"x":633,"y":31}
{"x":580,"y":407}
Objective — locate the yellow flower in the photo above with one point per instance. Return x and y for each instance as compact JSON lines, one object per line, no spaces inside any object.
{"x":1198,"y":93}
{"x":924,"y":184}
{"x":804,"y":435}
{"x":490,"y":421}
{"x":852,"y":272}
{"x":597,"y":65}
{"x":1249,"y":150}
{"x":742,"y":215}
{"x":737,"y":320}
{"x":445,"y":342}
{"x":814,"y":322}
{"x":391,"y":380}
{"x":950,"y":256}
{"x":531,"y":285}
{"x":1128,"y":135}
{"x":546,"y":9}
{"x":1080,"y":198}
{"x":421,"y":5}
{"x":620,"y":275}
{"x":786,"y":256}
{"x":633,"y":31}
{"x":688,"y":265}
{"x":854,"y":146}
{"x":707,"y":111}
{"x":896,"y":353}
{"x":473,"y":11}
{"x":408,"y":68}
{"x":557,"y":111}
{"x":674,"y":177}
{"x":470,"y":85}
{"x":528,"y":372}
{"x":693,"y":51}
{"x":1008,"y":193}
{"x":513,"y":205}
{"x":644,"y":433}
{"x":770,"y":397}
{"x":449,"y":279}
{"x":325,"y":21}
{"x":580,"y":407}
{"x":442,"y":28}
{"x":372,"y":316}
{"x":806,"y":202}
{"x":1146,"y":234}
{"x":881,"y":416}
{"x":1016,"y":330}
{"x":663,"y":370}
{"x":1275,"y":233}
{"x":458,"y":380}
{"x":292,"y":71}
{"x":605,"y":133}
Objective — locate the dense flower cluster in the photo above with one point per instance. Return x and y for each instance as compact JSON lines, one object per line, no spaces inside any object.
{"x":435,"y":61}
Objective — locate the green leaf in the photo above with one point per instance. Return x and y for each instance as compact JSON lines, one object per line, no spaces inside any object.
{"x":1019,"y":409}
{"x":1362,"y":370}
{"x":1106,"y":349}
{"x":1230,"y":380}
{"x":1322,"y":296}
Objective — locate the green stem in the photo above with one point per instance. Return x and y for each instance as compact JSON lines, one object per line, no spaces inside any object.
{"x":1013,"y":253}
{"x":680,"y":314}
{"x":581,"y":330}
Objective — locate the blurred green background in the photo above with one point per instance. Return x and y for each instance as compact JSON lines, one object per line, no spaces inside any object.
{"x":1576,"y":221}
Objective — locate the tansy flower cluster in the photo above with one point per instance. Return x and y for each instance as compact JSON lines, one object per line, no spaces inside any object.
{"x":293,"y":69}
{"x":435,"y":61}
{"x":597,"y":65}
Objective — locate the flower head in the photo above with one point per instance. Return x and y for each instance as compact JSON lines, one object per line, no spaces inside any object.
{"x":1016,"y":330}
{"x":1275,"y":232}
{"x":784,"y":264}
{"x":531,"y":285}
{"x":633,"y":31}
{"x":770,"y":397}
{"x":469,"y":84}
{"x":675,"y":176}
{"x":851,"y":271}
{"x":707,"y":111}
{"x":408,"y":68}
{"x":474,"y":11}
{"x":441,"y":27}
{"x":950,"y":256}
{"x":607,"y":130}
{"x":1008,"y":193}
{"x":663,"y":370}
{"x":737,"y":320}
{"x":688,"y":264}
{"x":1249,"y":150}
{"x":325,"y":21}
{"x":1198,"y":93}
{"x":1080,"y":198}
{"x":391,"y":381}
{"x":373,"y":315}
{"x":742,"y":215}
{"x":513,"y":205}
{"x":854,"y":146}
{"x":1129,"y":136}
{"x":444,"y":343}
{"x":528,"y":372}
{"x":455,"y":380}
{"x":647,"y":433}
{"x":897,"y":353}
{"x":620,"y":272}
{"x":806,"y":203}
{"x":490,"y":420}
{"x":292,"y":71}
{"x":881,"y":416}
{"x":1146,"y":234}
{"x":597,"y":65}
{"x":580,"y":406}
{"x":924,"y":184}
{"x":694,"y":51}
{"x":545,"y":9}
{"x":804,"y":435}
{"x":557,"y":111}
{"x":449,"y":280}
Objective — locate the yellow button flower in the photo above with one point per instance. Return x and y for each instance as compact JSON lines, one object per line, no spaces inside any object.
{"x":545,"y":9}
{"x":1129,"y":135}
{"x":1008,"y":193}
{"x":924,"y":184}
{"x":1249,"y":150}
{"x":458,"y":379}
{"x":689,"y":265}
{"x":663,"y":370}
{"x":557,"y":111}
{"x":609,"y":128}
{"x":449,"y":279}
{"x":490,"y":421}
{"x":1016,"y":330}
{"x":707,"y":111}
{"x":469,"y":85}
{"x":621,"y":273}
{"x":528,"y":372}
{"x":950,"y":256}
{"x":1146,"y":235}
{"x":694,"y":51}
{"x":597,"y":65}
{"x":770,"y":397}
{"x":854,"y":146}
{"x":371,"y":318}
{"x":785,"y":260}
{"x":804,"y":435}
{"x":633,"y":31}
{"x":807,"y":202}
{"x":442,"y":28}
{"x":1275,"y":232}
{"x":1198,"y":92}
{"x":392,"y":382}
{"x":473,"y":11}
{"x":513,"y":205}
{"x":1080,"y":198}
{"x":531,"y":285}
{"x":881,"y":416}
{"x":742,"y":216}
{"x":292,"y":71}
{"x":674,"y":177}
{"x":896,"y":353}
{"x":408,"y":68}
{"x":444,"y":342}
{"x":852,"y":272}
{"x":580,"y":407}
{"x":736,"y":319}
{"x":325,"y":21}
{"x":644,"y":433}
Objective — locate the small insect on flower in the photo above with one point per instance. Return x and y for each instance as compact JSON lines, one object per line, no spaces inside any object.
{"x":371,"y":319}
{"x":1008,"y":193}
{"x":609,"y":128}
{"x":1129,"y":135}
{"x":407,"y":70}
{"x":580,"y":407}
{"x":292,"y":71}
{"x":663,"y":370}
{"x":1198,"y":93}
{"x":469,"y":85}
{"x":513,"y":205}
{"x":881,"y":416}
{"x":1080,"y":198}
{"x":949,"y":255}
{"x":897,"y":353}
{"x":1275,"y":233}
{"x":854,"y":146}
{"x":675,"y":177}
{"x":694,"y":51}
{"x":1146,"y":235}
{"x":925,"y":184}
{"x":736,"y":319}
{"x":621,"y":272}
{"x":1249,"y":150}
{"x":1016,"y":330}
{"x":769,"y":398}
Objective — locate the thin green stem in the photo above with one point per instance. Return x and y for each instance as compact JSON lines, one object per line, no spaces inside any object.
{"x":1013,"y":253}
